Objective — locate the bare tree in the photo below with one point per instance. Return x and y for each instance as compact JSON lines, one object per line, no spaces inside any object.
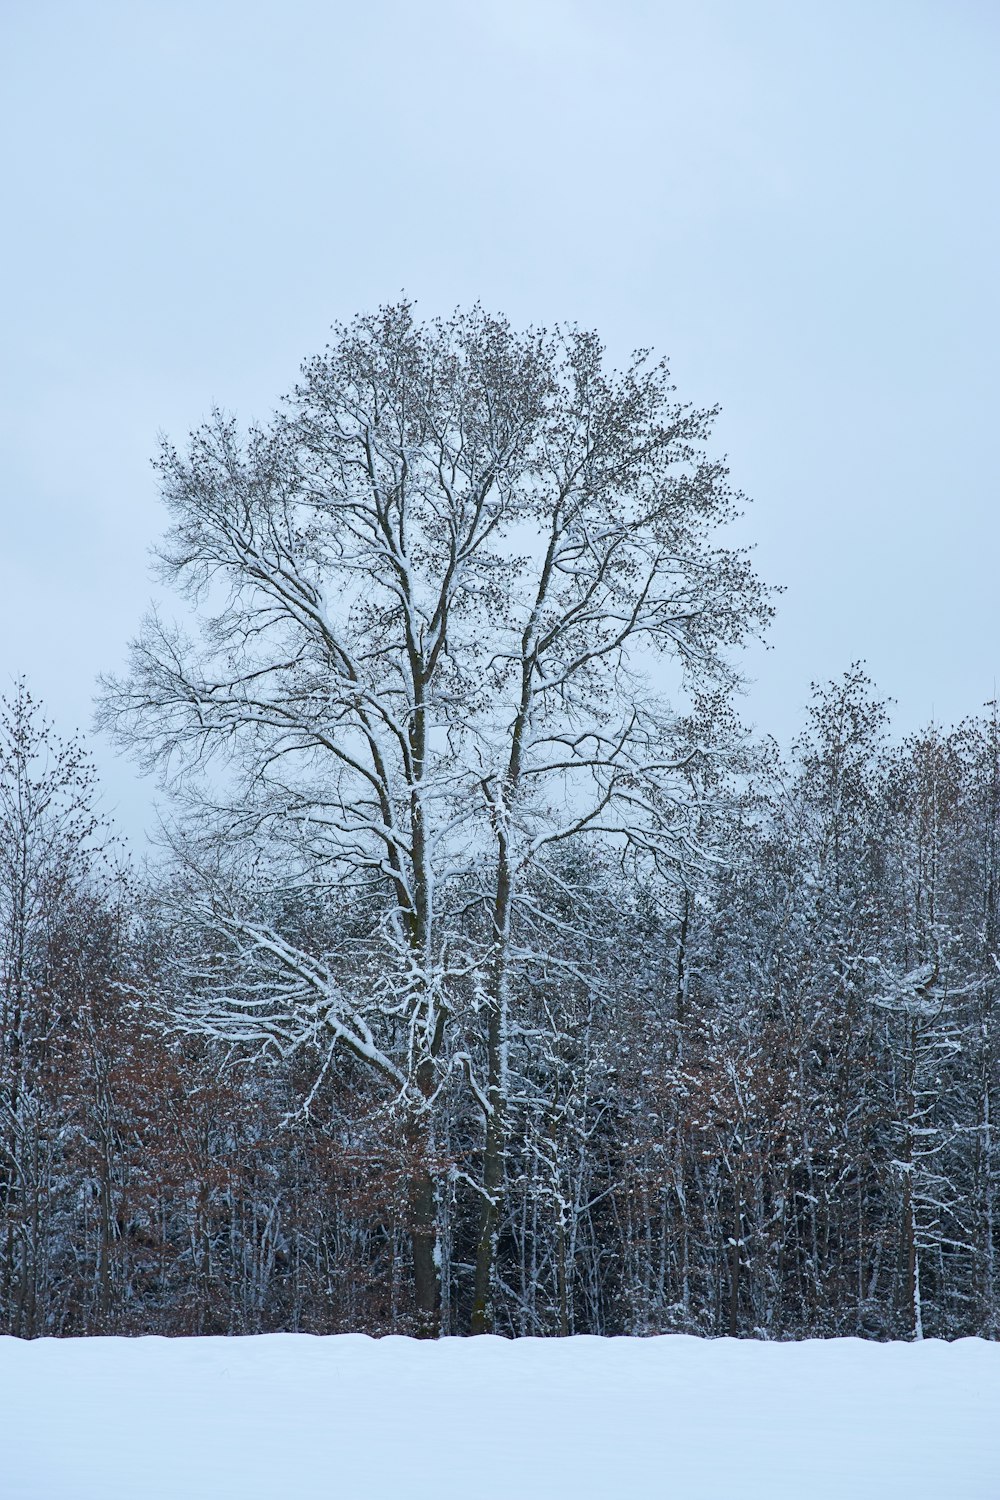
{"x":433,"y":595}
{"x":47,"y":853}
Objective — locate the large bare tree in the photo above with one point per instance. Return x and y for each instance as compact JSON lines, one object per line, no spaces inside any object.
{"x":440,"y":597}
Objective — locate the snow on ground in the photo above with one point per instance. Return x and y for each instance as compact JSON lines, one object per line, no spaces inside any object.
{"x":287,"y":1415}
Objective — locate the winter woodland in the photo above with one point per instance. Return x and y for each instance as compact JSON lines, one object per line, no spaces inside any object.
{"x":489,"y":976}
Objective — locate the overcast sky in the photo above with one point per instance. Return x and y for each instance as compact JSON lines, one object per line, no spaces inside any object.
{"x":796,"y":202}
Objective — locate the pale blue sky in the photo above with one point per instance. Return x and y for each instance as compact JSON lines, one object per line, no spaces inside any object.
{"x":794,"y":200}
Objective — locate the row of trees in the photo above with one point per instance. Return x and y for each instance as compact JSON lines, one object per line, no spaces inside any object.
{"x":477,"y":988}
{"x":763,"y":1108}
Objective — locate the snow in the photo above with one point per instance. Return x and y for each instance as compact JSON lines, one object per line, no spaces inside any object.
{"x":348,"y":1416}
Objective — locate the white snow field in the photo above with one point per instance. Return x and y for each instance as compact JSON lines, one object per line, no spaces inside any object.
{"x":291,"y":1417}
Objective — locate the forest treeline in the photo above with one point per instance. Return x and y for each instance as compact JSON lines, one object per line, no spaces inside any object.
{"x":766,"y":1109}
{"x":489,"y":975}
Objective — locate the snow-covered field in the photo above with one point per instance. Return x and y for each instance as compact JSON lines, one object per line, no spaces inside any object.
{"x":286,"y":1415}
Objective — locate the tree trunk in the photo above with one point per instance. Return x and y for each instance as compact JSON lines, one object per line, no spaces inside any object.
{"x":496,"y":1088}
{"x":422,"y":1202}
{"x":482,"y":1302}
